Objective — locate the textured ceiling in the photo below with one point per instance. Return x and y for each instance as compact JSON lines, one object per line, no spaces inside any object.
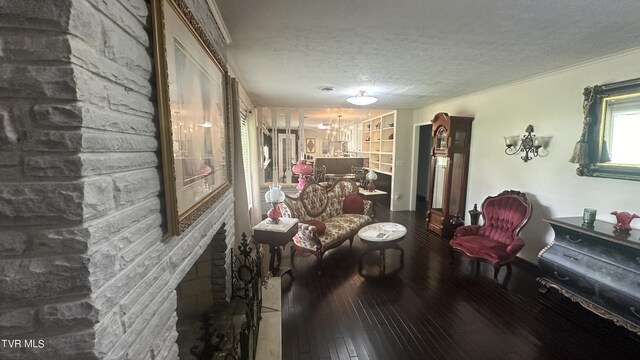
{"x":413,"y":53}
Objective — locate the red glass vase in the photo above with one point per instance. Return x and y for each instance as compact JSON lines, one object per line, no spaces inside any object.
{"x":623,"y":220}
{"x":274,"y":214}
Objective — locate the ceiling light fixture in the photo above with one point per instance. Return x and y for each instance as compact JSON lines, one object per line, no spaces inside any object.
{"x":362,"y":99}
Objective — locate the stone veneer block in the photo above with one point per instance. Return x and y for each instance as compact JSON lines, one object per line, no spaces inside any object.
{"x":160,"y":276}
{"x":78,"y":314}
{"x":48,"y":242}
{"x":9,"y":158}
{"x":46,"y":165}
{"x":73,"y":115}
{"x":34,"y":81}
{"x":16,"y":321}
{"x":142,"y":332}
{"x":14,"y":243}
{"x":132,"y":187}
{"x":41,"y":203}
{"x":138,"y":230}
{"x":41,"y":15}
{"x":107,"y":333}
{"x":45,"y":277}
{"x":122,"y":40}
{"x":129,"y":255}
{"x":119,"y":223}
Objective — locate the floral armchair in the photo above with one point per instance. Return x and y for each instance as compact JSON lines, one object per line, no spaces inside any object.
{"x":497,"y":240}
{"x":328,"y":216}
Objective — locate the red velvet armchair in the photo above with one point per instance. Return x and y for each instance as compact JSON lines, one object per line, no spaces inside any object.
{"x":497,"y":240}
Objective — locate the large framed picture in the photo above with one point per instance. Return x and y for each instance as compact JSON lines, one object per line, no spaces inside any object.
{"x":192,"y":111}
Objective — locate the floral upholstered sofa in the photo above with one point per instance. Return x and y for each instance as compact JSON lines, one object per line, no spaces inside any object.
{"x":328,"y":215}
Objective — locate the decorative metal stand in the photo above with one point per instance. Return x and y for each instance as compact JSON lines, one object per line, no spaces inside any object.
{"x":247,"y":285}
{"x":247,"y":271}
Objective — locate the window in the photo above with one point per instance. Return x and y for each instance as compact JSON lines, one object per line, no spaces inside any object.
{"x":624,"y":128}
{"x":246,"y":158}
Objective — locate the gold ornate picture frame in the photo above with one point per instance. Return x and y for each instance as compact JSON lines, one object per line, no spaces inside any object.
{"x":193,"y":114}
{"x":602,"y":106}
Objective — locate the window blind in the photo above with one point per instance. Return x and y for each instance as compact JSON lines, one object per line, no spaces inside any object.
{"x":244,"y":134}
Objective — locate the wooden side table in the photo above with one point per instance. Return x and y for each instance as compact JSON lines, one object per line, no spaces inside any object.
{"x":277,"y":236}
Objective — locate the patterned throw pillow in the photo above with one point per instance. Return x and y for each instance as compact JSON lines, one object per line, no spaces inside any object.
{"x":320,"y":226}
{"x":353,"y":204}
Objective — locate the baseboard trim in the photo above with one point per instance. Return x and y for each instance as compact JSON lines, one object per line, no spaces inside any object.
{"x":528,"y":265}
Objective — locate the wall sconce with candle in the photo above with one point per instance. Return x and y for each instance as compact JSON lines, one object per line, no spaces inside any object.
{"x":528,"y":144}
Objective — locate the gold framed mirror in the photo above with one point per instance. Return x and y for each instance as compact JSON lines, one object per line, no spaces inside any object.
{"x":608,"y":146}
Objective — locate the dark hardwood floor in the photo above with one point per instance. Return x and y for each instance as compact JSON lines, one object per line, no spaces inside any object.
{"x":430,"y":309}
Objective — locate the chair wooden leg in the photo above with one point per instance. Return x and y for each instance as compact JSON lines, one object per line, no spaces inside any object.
{"x":496,"y":270}
{"x":320,"y":261}
{"x":293,"y":253}
{"x":507,"y":277}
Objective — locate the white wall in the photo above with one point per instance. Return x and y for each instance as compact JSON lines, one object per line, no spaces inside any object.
{"x":553,"y":105}
{"x":401,"y":182}
{"x":319,"y":135}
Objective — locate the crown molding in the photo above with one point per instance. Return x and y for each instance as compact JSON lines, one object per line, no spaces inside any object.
{"x":218,"y":16}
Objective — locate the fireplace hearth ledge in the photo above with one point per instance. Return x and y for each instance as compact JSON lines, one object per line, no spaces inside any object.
{"x":269,"y":345}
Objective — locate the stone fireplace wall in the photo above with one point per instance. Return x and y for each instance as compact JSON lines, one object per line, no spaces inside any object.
{"x":85,"y":266}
